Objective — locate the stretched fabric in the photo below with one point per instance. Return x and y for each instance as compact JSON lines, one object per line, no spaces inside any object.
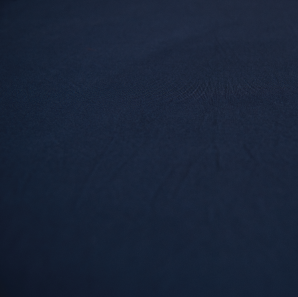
{"x":148,"y":148}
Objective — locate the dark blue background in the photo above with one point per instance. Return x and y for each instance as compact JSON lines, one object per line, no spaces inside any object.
{"x":149,"y":148}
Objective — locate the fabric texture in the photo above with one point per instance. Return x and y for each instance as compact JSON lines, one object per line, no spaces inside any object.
{"x":149,"y":148}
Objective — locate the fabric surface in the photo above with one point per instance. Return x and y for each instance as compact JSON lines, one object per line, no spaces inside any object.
{"x":149,"y":148}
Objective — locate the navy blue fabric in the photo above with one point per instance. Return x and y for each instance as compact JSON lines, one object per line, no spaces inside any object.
{"x":149,"y":148}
